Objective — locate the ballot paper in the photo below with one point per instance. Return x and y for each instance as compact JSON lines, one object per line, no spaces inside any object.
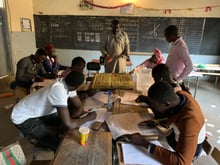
{"x":102,"y":115}
{"x":133,"y":154}
{"x":129,"y":99}
{"x":127,"y":123}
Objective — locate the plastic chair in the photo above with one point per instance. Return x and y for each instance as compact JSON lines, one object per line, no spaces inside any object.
{"x":92,"y":68}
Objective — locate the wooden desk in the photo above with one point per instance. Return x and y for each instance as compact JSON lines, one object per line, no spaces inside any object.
{"x":97,"y":152}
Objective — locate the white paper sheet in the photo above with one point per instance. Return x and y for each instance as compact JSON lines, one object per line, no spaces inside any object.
{"x":133,"y":154}
{"x":102,"y":115}
{"x":127,"y":123}
{"x":129,"y":99}
{"x":90,"y":102}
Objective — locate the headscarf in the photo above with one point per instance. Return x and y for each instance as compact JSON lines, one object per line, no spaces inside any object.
{"x":49,"y":48}
{"x":159,"y":55}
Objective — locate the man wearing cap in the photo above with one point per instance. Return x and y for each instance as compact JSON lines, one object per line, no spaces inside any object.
{"x":51,"y":64}
{"x":48,"y":106}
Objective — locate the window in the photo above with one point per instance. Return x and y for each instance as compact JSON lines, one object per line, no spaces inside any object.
{"x":5,"y":56}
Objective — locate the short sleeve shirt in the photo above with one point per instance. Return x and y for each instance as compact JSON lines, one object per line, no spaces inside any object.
{"x":42,"y":102}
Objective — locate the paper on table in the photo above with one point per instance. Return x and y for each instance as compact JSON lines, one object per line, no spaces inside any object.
{"x":127,"y":123}
{"x":102,"y":115}
{"x":129,"y":99}
{"x":103,"y":97}
{"x":133,"y":154}
{"x":91,"y":102}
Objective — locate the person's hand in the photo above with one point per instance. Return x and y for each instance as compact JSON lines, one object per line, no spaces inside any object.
{"x":136,"y":139}
{"x":39,"y":79}
{"x":141,"y":98}
{"x":91,"y":92}
{"x":83,"y":96}
{"x":148,"y":124}
{"x":92,"y":115}
{"x":108,"y":58}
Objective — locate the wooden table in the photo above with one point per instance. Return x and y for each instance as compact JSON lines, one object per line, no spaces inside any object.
{"x":97,"y":152}
{"x":99,"y":148}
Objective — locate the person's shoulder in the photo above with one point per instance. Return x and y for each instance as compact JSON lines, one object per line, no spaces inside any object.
{"x":24,"y":59}
{"x":123,"y":32}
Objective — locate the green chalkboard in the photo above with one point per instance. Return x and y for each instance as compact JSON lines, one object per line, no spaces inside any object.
{"x":145,"y":33}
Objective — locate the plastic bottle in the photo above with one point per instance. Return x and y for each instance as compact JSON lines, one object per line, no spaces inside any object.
{"x":110,"y":101}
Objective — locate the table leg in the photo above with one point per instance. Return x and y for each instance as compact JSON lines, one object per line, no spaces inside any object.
{"x":197,"y":85}
{"x":216,"y":81}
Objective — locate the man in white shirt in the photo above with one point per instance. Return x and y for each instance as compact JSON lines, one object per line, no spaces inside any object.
{"x":49,"y":107}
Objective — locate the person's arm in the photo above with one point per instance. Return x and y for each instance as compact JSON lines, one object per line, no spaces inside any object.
{"x":127,"y":45}
{"x":185,"y":57}
{"x":47,"y":65}
{"x":43,"y":74}
{"x":103,"y":44}
{"x":21,"y":74}
{"x":71,"y":123}
{"x":75,"y":106}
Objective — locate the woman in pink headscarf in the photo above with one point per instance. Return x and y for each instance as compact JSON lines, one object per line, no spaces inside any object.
{"x":156,"y":58}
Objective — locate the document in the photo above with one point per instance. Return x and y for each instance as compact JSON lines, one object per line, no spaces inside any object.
{"x":98,"y":100}
{"x":133,"y":154}
{"x":112,"y":81}
{"x":127,"y":123}
{"x":102,"y":115}
{"x":91,"y":102}
{"x":129,"y":99}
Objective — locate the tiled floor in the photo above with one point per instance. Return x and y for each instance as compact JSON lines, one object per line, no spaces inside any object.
{"x":208,"y":97}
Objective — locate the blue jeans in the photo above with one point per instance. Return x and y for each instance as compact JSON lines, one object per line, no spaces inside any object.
{"x":38,"y":128}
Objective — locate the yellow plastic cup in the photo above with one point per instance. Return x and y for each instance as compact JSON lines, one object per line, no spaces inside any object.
{"x":84,"y":134}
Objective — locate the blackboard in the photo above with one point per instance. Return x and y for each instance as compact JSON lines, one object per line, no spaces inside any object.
{"x":145,"y":33}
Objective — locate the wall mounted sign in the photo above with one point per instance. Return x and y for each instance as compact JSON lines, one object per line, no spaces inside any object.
{"x":25,"y":25}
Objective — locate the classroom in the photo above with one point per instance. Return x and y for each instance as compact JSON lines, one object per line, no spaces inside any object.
{"x":74,"y":28}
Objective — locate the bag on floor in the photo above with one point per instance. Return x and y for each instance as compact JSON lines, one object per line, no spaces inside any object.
{"x":12,"y":154}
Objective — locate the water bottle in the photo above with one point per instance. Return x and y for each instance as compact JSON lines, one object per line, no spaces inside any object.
{"x":110,"y":101}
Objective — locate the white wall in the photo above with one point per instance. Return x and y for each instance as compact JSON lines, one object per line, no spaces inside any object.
{"x":23,"y":43}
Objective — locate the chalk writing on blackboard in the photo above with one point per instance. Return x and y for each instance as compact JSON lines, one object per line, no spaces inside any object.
{"x":145,"y":33}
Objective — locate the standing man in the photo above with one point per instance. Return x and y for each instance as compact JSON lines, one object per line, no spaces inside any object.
{"x":115,"y":49}
{"x":48,"y":106}
{"x":178,"y":60}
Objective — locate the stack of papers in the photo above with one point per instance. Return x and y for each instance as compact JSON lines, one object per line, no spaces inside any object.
{"x":112,"y":81}
{"x":129,"y":99}
{"x":97,"y":100}
{"x":102,"y":115}
{"x":127,"y":123}
{"x":133,"y":154}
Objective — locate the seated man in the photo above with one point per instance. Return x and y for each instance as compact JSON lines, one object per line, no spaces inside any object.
{"x":78,"y":64}
{"x":51,"y":64}
{"x":30,"y":70}
{"x":184,"y":117}
{"x":48,"y":107}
